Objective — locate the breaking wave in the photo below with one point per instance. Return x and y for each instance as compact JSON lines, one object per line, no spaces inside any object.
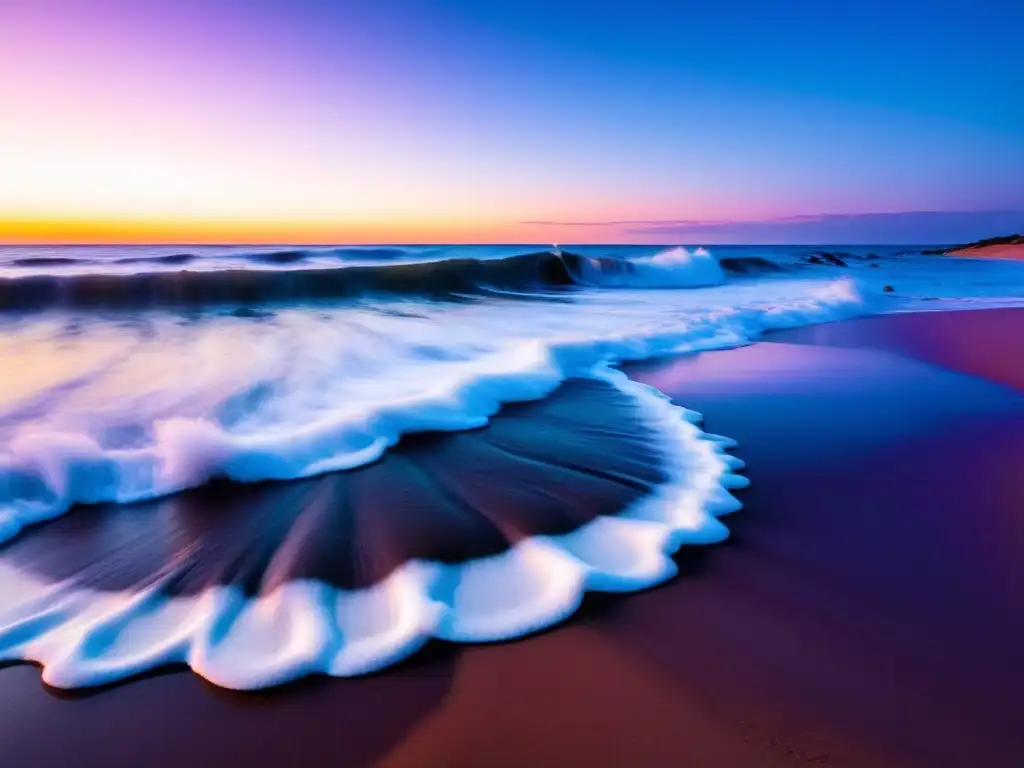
{"x":337,"y":395}
{"x":674,"y":268}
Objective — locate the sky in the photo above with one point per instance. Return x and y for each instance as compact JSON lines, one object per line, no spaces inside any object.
{"x":469,"y":121}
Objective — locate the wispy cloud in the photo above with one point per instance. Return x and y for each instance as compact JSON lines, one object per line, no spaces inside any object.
{"x":910,"y":227}
{"x":623,"y":222}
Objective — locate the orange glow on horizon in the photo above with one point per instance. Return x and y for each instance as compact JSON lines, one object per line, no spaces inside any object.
{"x":67,"y":231}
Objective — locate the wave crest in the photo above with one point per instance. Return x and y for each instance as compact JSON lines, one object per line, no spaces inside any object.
{"x":540,"y":271}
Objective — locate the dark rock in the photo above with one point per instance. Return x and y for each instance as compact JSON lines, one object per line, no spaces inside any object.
{"x":828,"y":257}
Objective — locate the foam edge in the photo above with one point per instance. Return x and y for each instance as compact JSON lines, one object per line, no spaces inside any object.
{"x":83,"y":638}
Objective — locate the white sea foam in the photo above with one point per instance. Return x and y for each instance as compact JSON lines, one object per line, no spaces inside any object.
{"x":308,"y":394}
{"x":85,"y":638}
{"x":112,"y":410}
{"x":312,"y":391}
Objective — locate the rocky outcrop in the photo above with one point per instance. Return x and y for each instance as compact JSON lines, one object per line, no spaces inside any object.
{"x":836,"y":259}
{"x":747,"y":265}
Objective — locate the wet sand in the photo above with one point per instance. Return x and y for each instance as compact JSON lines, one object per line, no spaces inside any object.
{"x":864,"y":612}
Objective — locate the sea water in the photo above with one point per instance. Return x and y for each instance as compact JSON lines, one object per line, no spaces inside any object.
{"x":136,"y":373}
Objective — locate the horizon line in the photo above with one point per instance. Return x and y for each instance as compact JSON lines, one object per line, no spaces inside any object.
{"x":387,"y":243}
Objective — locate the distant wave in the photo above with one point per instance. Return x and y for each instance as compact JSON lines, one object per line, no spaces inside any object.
{"x":675,"y":268}
{"x":170,"y":259}
{"x":285,"y":256}
{"x":750,"y":265}
{"x":279,"y":257}
{"x":48,"y":261}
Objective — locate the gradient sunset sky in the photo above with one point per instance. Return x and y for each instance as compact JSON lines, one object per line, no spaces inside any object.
{"x":530,"y":121}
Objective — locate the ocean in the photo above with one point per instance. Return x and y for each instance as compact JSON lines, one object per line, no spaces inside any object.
{"x":287,"y":460}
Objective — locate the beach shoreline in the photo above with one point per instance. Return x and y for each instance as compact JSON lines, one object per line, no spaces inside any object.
{"x":1005,"y":252}
{"x":859,"y":614}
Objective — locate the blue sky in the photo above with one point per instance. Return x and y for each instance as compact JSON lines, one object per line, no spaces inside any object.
{"x":420,"y":121}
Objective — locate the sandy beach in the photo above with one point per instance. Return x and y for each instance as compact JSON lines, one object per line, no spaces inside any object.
{"x":863,"y":611}
{"x":1013,"y":252}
